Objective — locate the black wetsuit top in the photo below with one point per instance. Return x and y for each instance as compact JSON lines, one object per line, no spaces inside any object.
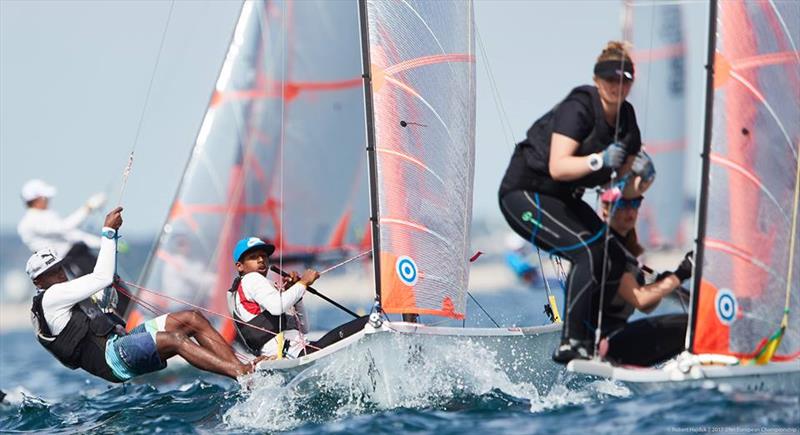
{"x":580,"y":117}
{"x":644,"y":342}
{"x":82,"y":343}
{"x":550,"y":214}
{"x":617,"y":311}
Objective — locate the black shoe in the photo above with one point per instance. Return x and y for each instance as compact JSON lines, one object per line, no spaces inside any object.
{"x":573,"y":349}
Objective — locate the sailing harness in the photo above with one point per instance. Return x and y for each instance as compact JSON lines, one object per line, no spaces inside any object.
{"x":263,"y":327}
{"x":82,"y":343}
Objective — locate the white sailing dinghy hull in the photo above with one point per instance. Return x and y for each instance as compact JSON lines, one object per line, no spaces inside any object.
{"x":522,"y":353}
{"x":773,"y":377}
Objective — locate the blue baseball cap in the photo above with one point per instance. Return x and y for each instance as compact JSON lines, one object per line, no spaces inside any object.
{"x":249,"y":243}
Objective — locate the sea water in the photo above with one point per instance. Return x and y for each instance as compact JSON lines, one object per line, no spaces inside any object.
{"x":459,"y":389}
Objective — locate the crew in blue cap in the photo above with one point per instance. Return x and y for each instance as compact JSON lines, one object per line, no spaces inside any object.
{"x":269,"y":308}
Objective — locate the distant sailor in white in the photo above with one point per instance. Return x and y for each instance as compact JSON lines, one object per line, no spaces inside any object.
{"x":42,"y":227}
{"x":74,"y":329}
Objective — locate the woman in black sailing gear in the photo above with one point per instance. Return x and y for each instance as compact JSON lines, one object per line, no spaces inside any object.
{"x":579,"y":144}
{"x":653,"y":339}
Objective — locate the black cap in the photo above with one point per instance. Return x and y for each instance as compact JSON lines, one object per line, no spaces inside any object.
{"x":614,"y":69}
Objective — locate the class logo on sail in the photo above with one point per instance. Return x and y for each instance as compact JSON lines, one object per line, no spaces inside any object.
{"x":406,"y":269}
{"x":726,"y":306}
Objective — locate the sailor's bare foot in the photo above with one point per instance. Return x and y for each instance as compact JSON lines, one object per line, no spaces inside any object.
{"x":250,"y":367}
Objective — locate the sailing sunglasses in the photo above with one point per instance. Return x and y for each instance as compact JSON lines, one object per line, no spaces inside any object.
{"x":633,"y":203}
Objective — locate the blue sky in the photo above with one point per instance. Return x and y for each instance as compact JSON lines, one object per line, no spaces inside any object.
{"x":74,"y":74}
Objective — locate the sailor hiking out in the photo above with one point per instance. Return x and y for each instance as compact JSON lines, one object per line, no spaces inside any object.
{"x":71,"y":326}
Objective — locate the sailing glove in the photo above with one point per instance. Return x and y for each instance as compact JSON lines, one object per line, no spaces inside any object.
{"x":614,"y":155}
{"x":96,"y":201}
{"x":684,"y":270}
{"x":643,"y":167}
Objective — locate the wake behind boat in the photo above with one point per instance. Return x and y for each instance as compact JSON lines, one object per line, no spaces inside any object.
{"x":512,"y":351}
{"x":281,"y":152}
{"x":420,"y":184}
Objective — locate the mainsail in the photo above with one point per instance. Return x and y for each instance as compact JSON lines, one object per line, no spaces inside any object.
{"x":422,"y":73}
{"x":279,"y":154}
{"x":748,"y":222}
{"x":659,"y":95}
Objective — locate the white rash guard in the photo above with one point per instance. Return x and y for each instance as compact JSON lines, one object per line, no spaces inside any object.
{"x":59,"y":299}
{"x":41,"y":229}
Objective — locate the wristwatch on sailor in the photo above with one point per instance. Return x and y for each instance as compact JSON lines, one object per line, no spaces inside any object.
{"x":595,"y":162}
{"x":109,"y":234}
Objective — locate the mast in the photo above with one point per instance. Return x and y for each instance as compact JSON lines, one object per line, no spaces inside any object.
{"x":373,"y":161}
{"x":702,"y":204}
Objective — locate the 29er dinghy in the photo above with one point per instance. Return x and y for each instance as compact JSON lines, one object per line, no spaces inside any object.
{"x":419,"y":74}
{"x":743,"y":329}
{"x":308,"y":170}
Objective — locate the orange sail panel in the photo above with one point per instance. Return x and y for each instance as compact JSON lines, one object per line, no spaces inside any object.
{"x":423,"y":84}
{"x":753,"y":162}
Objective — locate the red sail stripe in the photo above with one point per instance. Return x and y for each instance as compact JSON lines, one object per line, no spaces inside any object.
{"x":660,"y":53}
{"x":738,"y":168}
{"x":765,"y":60}
{"x":429,"y":60}
{"x":288,"y":90}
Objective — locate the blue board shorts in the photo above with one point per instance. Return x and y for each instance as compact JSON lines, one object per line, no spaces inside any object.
{"x":135,"y":353}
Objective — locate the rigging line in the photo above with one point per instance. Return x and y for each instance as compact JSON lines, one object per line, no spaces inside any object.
{"x":197,"y":307}
{"x":335,"y":266}
{"x":558,"y":269}
{"x":127,"y":171}
{"x":482,"y":309}
{"x":195,"y":156}
{"x":314,"y":291}
{"x":505,"y":124}
{"x":792,"y":240}
{"x":649,"y":68}
{"x":146,"y":102}
{"x":158,"y":312}
{"x":607,"y":218}
{"x":281,"y":144}
{"x":550,"y":298}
